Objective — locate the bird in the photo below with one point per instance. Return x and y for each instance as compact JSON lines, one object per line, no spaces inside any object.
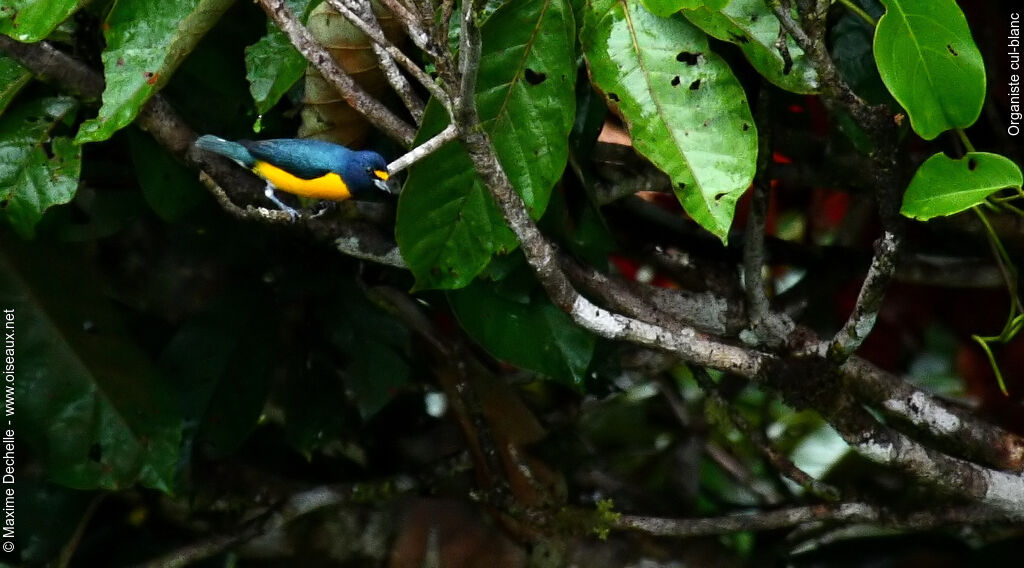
{"x":310,"y":168}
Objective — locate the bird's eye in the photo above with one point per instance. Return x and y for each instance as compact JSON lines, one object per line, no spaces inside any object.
{"x":369,"y":170}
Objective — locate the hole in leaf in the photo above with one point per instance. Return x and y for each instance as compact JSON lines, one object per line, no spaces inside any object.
{"x":951,"y":50}
{"x":681,"y":185}
{"x":675,"y":81}
{"x":718,"y":197}
{"x":688,"y":58}
{"x":695,"y":85}
{"x":746,"y":127}
{"x":972,"y":164}
{"x":533,"y":77}
{"x":613,"y":97}
{"x":738,"y":38}
{"x":754,"y":17}
{"x":95,"y":452}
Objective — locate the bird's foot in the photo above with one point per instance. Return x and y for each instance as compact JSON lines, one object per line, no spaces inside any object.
{"x":269,"y":192}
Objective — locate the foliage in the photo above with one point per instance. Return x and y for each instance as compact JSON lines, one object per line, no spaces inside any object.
{"x":177,"y":364}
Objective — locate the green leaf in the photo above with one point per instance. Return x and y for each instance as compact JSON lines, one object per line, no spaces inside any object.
{"x":851,"y":51}
{"x":665,"y":8}
{"x":140,"y":58}
{"x":12,"y":78}
{"x":273,"y":65}
{"x":534,"y":335}
{"x":32,"y":20}
{"x":685,"y":110}
{"x":36,"y":171}
{"x":375,"y":345}
{"x":930,"y":64}
{"x":170,"y":189}
{"x":91,"y":406}
{"x":448,"y":226}
{"x":754,"y":28}
{"x":944,"y":186}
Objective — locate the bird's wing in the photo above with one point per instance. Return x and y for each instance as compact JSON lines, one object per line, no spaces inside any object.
{"x":306,"y":159}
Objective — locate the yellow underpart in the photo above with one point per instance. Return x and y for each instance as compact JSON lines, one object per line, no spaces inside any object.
{"x":328,"y":186}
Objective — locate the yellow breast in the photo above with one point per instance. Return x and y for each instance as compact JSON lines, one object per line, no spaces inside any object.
{"x":328,"y":186}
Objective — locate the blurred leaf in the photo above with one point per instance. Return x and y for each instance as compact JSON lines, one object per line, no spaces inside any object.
{"x":47,"y":517}
{"x":819,"y":451}
{"x":29,"y":21}
{"x":685,"y":110}
{"x":91,"y":405}
{"x":170,"y":188}
{"x":930,"y":64}
{"x":221,"y":362}
{"x":375,"y":345}
{"x":448,"y":226}
{"x":12,"y":78}
{"x":851,"y":40}
{"x":140,"y":59}
{"x":944,"y":186}
{"x":752,"y":26}
{"x":665,"y":8}
{"x":536,"y":335}
{"x":273,"y":65}
{"x":36,"y":170}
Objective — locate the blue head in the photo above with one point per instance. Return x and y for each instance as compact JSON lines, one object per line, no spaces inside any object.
{"x":366,"y":173}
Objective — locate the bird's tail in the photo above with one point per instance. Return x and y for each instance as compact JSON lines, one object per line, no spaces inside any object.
{"x":232,"y":150}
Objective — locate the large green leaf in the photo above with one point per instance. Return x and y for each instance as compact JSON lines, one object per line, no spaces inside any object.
{"x":32,"y":20}
{"x":665,"y":8}
{"x":90,"y":404}
{"x":930,"y":64}
{"x":528,"y":332}
{"x":944,"y":186}
{"x":448,"y":227}
{"x":12,"y":78}
{"x":146,"y":41}
{"x":751,"y":25}
{"x":36,"y":170}
{"x":684,"y":108}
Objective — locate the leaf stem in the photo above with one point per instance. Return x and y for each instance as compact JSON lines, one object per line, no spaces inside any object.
{"x":963,"y":138}
{"x":853,"y":7}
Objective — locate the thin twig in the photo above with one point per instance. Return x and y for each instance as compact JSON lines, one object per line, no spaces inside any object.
{"x":447,"y":135}
{"x":753,"y":245}
{"x":300,"y":37}
{"x":846,"y":513}
{"x":412,"y":25}
{"x":780,"y":461}
{"x":274,"y":519}
{"x":869,"y":302}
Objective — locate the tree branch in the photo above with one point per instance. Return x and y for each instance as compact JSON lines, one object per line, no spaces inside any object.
{"x":378,"y":114}
{"x":849,"y":513}
{"x":361,"y":16}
